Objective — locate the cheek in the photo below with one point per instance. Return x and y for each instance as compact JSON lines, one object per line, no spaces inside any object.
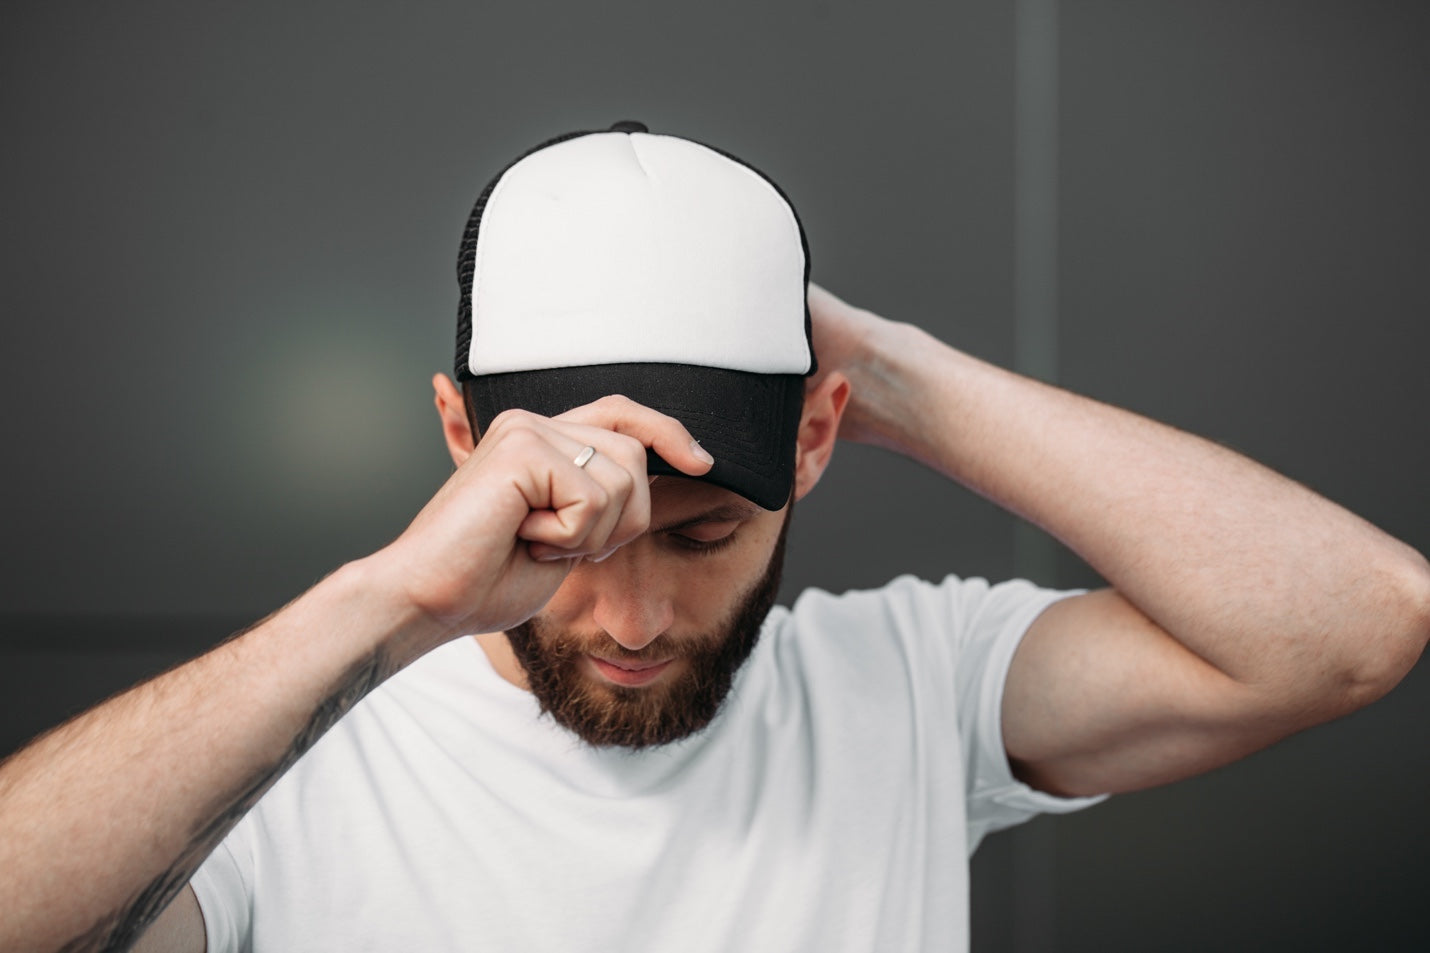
{"x":711,"y":586}
{"x":708,"y":587}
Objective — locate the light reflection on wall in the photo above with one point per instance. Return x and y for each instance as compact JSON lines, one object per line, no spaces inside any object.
{"x":332,"y":441}
{"x":333,"y":416}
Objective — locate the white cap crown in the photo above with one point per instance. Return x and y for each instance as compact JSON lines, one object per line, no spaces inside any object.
{"x":621,"y":247}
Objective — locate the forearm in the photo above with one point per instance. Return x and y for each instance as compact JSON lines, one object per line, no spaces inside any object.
{"x":105,"y":818}
{"x":1272,"y":584}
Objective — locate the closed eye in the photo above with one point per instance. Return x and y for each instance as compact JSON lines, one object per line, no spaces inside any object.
{"x":705,"y":537}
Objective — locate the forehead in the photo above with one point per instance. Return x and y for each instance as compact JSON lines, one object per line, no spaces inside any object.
{"x":681,"y":497}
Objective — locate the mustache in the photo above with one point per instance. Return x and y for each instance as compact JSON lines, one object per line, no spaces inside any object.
{"x":620,"y":716}
{"x":571,"y":645}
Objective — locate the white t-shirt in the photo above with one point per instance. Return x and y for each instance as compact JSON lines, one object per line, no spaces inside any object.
{"x":831,"y":806}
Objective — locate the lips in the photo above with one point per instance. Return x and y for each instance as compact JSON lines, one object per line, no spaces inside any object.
{"x":630,"y":674}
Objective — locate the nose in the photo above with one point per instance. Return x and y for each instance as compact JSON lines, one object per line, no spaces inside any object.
{"x":633,"y":603}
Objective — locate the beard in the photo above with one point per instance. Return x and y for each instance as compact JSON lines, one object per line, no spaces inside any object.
{"x":606,"y":715}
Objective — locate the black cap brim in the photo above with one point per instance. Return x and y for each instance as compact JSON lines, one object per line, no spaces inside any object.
{"x":747,"y":421}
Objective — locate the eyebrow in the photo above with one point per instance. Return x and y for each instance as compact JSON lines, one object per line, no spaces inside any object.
{"x":725,"y":512}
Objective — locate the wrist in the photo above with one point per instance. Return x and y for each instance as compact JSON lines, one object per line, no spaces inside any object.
{"x":379,"y":603}
{"x":892,"y":386}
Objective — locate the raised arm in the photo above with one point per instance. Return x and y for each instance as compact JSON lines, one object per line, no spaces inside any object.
{"x":1243,"y":606}
{"x":103,"y":820}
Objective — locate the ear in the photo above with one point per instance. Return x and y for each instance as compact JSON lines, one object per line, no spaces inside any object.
{"x":452,"y":409}
{"x":818,"y":430}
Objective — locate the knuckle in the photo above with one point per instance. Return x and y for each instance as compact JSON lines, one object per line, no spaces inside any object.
{"x":616,"y":401}
{"x":629,"y":451}
{"x":507,"y":419}
{"x":622,"y":485}
{"x":520,"y":438}
{"x":518,"y":425}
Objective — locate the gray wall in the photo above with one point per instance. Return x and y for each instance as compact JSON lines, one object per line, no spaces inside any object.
{"x":228,"y":241}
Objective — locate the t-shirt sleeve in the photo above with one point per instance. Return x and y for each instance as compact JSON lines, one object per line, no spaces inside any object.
{"x":982,"y":626}
{"x":222,"y":886}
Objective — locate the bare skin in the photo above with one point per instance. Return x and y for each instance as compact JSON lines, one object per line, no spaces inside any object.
{"x":640,"y":590}
{"x":143,"y":787}
{"x":1243,"y":608}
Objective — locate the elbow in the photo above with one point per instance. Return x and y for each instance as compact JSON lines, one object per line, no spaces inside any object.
{"x":1410,"y":628}
{"x":1403,"y":630}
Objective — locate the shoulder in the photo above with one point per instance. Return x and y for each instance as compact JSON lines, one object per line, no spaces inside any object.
{"x":955,"y":610}
{"x":939,"y":645}
{"x":909,"y":628}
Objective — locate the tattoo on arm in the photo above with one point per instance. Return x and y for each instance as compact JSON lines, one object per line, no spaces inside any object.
{"x":120,"y":929}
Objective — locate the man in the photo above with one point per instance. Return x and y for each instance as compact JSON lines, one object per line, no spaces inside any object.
{"x":636,"y":751}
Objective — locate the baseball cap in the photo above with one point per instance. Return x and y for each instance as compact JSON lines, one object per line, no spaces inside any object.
{"x":620,"y":261}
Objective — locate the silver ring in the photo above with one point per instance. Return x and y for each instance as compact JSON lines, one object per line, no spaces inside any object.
{"x":584,"y":457}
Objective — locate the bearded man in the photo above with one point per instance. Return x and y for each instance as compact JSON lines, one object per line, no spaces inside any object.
{"x":561,"y":711}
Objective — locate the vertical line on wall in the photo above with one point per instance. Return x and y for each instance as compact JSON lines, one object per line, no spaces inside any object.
{"x":1035,"y":190}
{"x":1035,"y":353}
{"x":1035,"y":231}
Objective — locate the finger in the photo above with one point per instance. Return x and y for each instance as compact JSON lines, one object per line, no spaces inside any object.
{"x":563,"y":518}
{"x":591,"y":509}
{"x":660,"y":432}
{"x":822,"y":300}
{"x":619,"y":466}
{"x":542,"y":553}
{"x":574,"y":509}
{"x":819,"y":295}
{"x":622,"y":471}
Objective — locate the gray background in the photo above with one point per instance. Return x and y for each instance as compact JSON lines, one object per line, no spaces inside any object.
{"x":228,"y":241}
